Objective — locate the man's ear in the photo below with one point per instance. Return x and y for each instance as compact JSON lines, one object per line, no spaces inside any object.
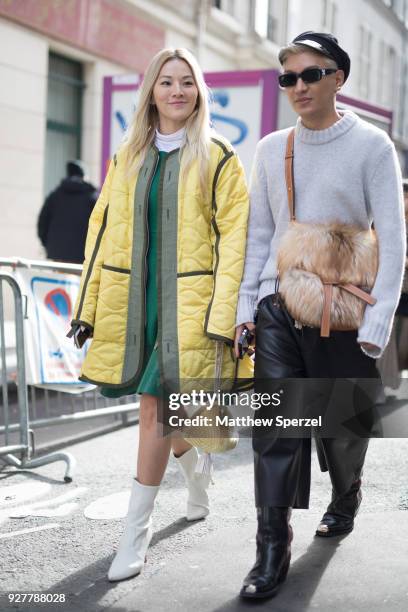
{"x":339,"y":79}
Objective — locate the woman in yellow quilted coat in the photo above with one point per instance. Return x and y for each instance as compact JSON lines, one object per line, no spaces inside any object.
{"x":163,"y":263}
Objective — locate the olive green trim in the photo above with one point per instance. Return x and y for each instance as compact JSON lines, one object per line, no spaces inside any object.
{"x":159,"y":340}
{"x":220,"y":166}
{"x":167,"y":324}
{"x":239,"y":384}
{"x":243,"y":384}
{"x":216,"y":175}
{"x":115,"y":160}
{"x":92,"y":261}
{"x":173,"y":152}
{"x":195,"y":273}
{"x":221,"y":144}
{"x":217,"y":260}
{"x":114,"y":269}
{"x":101,"y":383}
{"x":221,"y":338}
{"x":135,"y":332}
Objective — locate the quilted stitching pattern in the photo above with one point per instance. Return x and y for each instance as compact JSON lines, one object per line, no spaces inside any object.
{"x":201,"y":244}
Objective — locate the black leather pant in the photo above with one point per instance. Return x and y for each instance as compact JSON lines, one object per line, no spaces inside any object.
{"x":282,"y":465}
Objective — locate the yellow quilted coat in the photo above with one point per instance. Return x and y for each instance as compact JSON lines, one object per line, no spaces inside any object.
{"x":201,"y":247}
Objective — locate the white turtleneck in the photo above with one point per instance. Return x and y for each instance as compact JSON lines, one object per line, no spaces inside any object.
{"x":349,"y":173}
{"x":169,"y":142}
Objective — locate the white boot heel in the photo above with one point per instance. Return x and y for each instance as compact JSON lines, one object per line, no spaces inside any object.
{"x":197,"y":485}
{"x":131,"y":554}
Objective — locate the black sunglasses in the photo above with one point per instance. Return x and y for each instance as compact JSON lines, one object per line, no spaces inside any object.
{"x":310,"y":75}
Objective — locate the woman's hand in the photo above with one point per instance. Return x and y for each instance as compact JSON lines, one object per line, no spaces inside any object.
{"x":80,"y":333}
{"x":238,"y":331}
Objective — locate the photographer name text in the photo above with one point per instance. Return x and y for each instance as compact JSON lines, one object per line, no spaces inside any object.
{"x":242,"y":421}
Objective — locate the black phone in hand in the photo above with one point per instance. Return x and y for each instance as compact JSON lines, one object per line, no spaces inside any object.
{"x":244,"y":341}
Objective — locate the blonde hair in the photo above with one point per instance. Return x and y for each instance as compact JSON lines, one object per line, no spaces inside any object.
{"x":298,"y":48}
{"x":141,"y":132}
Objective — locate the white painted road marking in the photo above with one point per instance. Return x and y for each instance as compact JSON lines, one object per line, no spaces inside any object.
{"x":16,"y":494}
{"x":62,"y":510}
{"x":12,"y":534}
{"x":37,"y":508}
{"x":109,"y":507}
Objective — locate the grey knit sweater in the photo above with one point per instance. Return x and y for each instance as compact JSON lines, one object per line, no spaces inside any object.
{"x":349,"y":173}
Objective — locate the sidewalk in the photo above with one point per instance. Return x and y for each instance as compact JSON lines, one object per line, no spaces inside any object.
{"x":365,"y":571}
{"x":199,"y":566}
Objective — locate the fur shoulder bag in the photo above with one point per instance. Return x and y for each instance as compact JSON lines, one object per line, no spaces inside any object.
{"x":326,"y":270}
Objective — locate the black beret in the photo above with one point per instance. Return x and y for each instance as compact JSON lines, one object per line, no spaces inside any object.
{"x":327,"y":44}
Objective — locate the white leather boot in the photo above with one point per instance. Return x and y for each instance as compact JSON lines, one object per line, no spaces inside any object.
{"x":197,"y":484}
{"x":136,"y":538}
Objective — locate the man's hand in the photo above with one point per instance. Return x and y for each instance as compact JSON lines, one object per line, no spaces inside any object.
{"x":367,"y":346}
{"x":238,"y":331}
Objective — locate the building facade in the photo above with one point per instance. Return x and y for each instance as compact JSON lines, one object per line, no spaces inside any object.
{"x":54,"y":56}
{"x":375,"y":34}
{"x":55,"y":53}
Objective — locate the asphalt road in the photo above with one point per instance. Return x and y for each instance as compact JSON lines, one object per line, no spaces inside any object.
{"x":198,"y":566}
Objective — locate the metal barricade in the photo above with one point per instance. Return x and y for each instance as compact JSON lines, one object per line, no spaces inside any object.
{"x":27,"y":403}
{"x":23,"y":447}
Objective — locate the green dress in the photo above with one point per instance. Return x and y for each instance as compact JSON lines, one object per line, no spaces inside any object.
{"x":148,"y":381}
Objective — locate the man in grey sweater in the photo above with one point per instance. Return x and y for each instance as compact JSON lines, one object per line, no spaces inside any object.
{"x":345,"y":170}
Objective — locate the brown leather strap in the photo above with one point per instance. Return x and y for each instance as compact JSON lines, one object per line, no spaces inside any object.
{"x":363,"y":295}
{"x":290,"y":187}
{"x":327,"y":301}
{"x":327,"y":287}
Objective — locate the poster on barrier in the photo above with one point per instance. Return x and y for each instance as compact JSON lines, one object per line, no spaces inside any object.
{"x":51,"y":357}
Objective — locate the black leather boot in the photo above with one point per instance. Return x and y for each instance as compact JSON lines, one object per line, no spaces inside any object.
{"x":273,"y":541}
{"x":339,"y":518}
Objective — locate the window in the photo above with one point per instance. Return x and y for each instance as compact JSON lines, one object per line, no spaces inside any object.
{"x":381,"y":72}
{"x":64,"y":109}
{"x":273,"y":22}
{"x":403,"y":117}
{"x":365,"y":61}
{"x":329,"y":15}
{"x":387,"y":81}
{"x":333,"y":18}
{"x":387,"y":90}
{"x":224,"y":5}
{"x":398,"y":6}
{"x":267,"y":19}
{"x":390,"y":83}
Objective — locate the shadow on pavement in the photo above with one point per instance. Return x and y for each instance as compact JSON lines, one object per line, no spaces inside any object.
{"x":177,"y":527}
{"x":303,"y":579}
{"x":88,"y":585}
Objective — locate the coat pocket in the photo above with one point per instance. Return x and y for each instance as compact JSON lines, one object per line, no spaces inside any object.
{"x":115,"y":269}
{"x":112,"y":304}
{"x":195,"y":273}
